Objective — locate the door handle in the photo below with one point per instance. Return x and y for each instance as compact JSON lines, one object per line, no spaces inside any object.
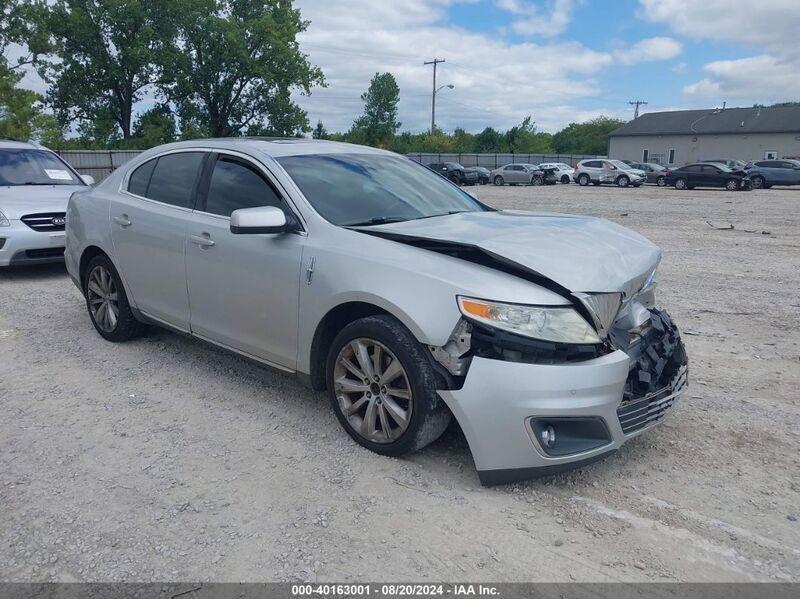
{"x":204,"y":240}
{"x":122,"y":221}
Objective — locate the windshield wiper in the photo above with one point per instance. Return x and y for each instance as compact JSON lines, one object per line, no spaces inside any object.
{"x":377,"y":220}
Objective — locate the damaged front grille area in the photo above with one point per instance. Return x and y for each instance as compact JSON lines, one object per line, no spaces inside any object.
{"x":658,"y":372}
{"x":501,"y":345}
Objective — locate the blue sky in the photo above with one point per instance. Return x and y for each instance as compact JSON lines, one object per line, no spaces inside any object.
{"x":558,"y":60}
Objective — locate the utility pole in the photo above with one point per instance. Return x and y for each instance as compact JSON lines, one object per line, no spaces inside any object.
{"x":434,"y":62}
{"x":637,"y":103}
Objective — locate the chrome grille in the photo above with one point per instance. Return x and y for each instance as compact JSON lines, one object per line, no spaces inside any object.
{"x":646,"y":411}
{"x":45,"y":221}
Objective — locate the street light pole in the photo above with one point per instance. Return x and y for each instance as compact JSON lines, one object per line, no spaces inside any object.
{"x":434,"y":62}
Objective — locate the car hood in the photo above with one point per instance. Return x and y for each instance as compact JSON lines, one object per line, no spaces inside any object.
{"x":637,"y":172}
{"x":19,"y":200}
{"x":580,"y":253}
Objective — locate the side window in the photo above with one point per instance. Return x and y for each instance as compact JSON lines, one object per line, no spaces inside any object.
{"x":140,"y":178}
{"x":174,"y":177}
{"x":236,"y":184}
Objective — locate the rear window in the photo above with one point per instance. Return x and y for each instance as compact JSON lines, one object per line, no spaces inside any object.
{"x":174,"y":177}
{"x":34,"y":167}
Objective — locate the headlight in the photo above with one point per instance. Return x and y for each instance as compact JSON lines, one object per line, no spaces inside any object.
{"x":4,"y":221}
{"x":560,"y":325}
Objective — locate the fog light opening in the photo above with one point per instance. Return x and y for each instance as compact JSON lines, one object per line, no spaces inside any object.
{"x":548,"y":436}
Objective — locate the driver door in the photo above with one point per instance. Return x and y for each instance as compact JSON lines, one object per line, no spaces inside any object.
{"x":243,"y":289}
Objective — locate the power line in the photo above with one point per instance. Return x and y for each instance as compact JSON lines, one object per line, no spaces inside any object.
{"x":637,"y":103}
{"x":435,"y":62}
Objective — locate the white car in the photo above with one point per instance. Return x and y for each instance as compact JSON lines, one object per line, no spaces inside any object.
{"x":615,"y":172}
{"x":35,"y":186}
{"x":563,"y":171}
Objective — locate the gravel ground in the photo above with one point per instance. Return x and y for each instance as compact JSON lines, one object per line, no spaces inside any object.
{"x":164,"y":459}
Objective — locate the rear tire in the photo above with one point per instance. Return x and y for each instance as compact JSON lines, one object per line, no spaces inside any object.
{"x":382,"y":387}
{"x":107,"y":302}
{"x":680,"y":184}
{"x":498,"y":180}
{"x":583,"y":180}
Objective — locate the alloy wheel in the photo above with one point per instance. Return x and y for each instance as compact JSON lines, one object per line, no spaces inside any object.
{"x":103,"y":298}
{"x":373,"y":390}
{"x":732,"y":185}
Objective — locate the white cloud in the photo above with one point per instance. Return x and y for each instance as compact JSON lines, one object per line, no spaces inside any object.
{"x":651,"y":49}
{"x":496,"y":83}
{"x":763,"y":76}
{"x":530,"y":19}
{"x":770,"y":27}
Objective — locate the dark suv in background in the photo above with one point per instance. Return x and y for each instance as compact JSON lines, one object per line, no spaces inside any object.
{"x":455,"y":172}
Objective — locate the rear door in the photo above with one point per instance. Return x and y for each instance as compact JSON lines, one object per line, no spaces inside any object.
{"x":593,"y":168}
{"x":148,"y":231}
{"x":243,"y":289}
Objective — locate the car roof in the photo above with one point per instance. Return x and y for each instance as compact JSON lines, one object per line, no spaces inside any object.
{"x":7,"y":143}
{"x":276,"y":147}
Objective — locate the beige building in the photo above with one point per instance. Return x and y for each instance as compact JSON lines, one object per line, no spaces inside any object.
{"x":682,"y":136}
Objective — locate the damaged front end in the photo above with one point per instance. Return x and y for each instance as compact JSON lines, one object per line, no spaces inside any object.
{"x":658,"y":370}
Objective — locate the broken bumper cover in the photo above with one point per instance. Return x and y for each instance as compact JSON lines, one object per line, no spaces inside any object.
{"x":503,"y":408}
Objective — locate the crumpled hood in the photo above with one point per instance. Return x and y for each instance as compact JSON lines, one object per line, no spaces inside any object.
{"x":19,"y":200}
{"x":580,"y":253}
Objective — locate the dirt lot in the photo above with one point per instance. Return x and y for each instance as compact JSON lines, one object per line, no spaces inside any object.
{"x":163,"y":459}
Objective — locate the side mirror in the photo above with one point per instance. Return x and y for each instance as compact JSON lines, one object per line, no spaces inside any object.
{"x":88,"y":179}
{"x":252,"y":221}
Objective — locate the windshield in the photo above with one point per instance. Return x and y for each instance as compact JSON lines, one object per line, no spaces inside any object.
{"x":34,"y":167}
{"x":620,"y":164}
{"x":363,"y":189}
{"x":454,"y":165}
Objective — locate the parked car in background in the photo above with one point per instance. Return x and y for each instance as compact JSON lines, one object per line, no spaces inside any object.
{"x":455,"y":172}
{"x":734,"y":165}
{"x":549,"y":176}
{"x":766,"y":173}
{"x":35,"y":185}
{"x":408,"y":300}
{"x":484,"y":174}
{"x":703,"y":174}
{"x":517,"y":174}
{"x":562,"y":171}
{"x":597,"y":171}
{"x":653,"y":172}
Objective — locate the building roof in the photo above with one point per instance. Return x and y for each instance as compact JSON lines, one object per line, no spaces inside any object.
{"x":776,"y":119}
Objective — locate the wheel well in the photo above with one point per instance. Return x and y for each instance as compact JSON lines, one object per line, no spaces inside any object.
{"x":333,"y":322}
{"x":88,"y":254}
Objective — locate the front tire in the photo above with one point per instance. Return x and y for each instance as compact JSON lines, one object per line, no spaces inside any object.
{"x":565,"y":179}
{"x":107,"y":302}
{"x":536,"y":180}
{"x":732,"y":185}
{"x":498,"y":180}
{"x":758,"y":182}
{"x":623,"y":181}
{"x":661,"y":181}
{"x":382,"y":387}
{"x":680,"y":184}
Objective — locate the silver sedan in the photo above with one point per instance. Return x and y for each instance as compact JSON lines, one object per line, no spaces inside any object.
{"x":410,"y":301}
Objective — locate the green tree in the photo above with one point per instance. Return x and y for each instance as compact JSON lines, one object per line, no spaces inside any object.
{"x":236,"y":65}
{"x":585,"y":138}
{"x":489,"y":140}
{"x":378,"y":125}
{"x":319,"y":132}
{"x":154,"y":127}
{"x":106,"y":53}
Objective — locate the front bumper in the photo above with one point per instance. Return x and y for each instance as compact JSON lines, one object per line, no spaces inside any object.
{"x":500,"y":401}
{"x":22,"y":245}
